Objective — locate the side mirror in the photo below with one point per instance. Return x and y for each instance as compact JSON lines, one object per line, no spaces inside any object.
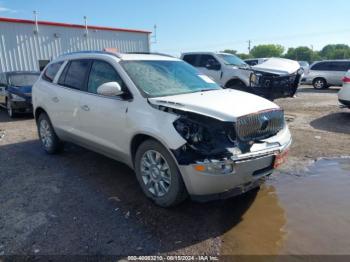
{"x":110,"y":89}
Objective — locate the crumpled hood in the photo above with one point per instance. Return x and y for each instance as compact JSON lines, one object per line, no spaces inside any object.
{"x":279,"y":66}
{"x":223,"y":104}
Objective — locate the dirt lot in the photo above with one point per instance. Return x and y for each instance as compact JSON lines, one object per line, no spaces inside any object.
{"x":82,"y":203}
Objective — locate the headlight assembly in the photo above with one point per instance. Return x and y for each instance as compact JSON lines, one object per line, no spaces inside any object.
{"x":194,"y":133}
{"x":17,"y":98}
{"x":254,"y":79}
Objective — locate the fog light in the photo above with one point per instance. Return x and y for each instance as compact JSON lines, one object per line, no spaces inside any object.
{"x":215,"y":167}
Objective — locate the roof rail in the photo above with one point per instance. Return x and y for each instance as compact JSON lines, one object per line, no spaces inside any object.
{"x":93,"y":52}
{"x":150,"y":53}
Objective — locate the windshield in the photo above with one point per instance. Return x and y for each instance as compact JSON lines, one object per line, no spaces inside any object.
{"x":23,"y":79}
{"x":232,"y":60}
{"x":164,"y":78}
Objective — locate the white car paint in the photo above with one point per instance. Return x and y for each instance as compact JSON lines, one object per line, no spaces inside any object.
{"x":108,"y":125}
{"x":232,"y":103}
{"x":280,"y":66}
{"x":344,"y":93}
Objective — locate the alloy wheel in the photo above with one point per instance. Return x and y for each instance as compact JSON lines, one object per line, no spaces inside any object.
{"x":155,"y":173}
{"x":319,"y":84}
{"x":45,"y":133}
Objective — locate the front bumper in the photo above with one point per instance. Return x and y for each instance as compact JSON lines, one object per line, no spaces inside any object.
{"x":22,"y":106}
{"x":273,"y":86}
{"x":249,"y":171}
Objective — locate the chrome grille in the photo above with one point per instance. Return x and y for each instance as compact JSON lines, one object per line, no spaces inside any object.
{"x":260,"y":125}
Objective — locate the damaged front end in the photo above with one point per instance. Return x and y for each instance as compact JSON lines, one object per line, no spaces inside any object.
{"x":273,"y":86}
{"x":216,"y":143}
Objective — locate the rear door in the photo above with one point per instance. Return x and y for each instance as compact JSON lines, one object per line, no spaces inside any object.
{"x":65,"y":96}
{"x":103,"y":124}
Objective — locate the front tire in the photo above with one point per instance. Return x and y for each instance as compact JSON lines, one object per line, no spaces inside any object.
{"x":49,"y":140}
{"x":158,"y":175}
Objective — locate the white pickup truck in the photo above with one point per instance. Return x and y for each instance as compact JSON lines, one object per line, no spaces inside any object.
{"x":274,"y":78}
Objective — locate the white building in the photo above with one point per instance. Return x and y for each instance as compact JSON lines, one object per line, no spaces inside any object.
{"x":29,"y":45}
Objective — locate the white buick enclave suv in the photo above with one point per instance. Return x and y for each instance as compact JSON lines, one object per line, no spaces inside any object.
{"x":180,"y":131}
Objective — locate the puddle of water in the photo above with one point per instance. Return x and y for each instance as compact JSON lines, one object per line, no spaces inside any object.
{"x":304,"y":214}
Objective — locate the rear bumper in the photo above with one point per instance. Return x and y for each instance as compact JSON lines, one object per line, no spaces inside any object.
{"x":249,"y":171}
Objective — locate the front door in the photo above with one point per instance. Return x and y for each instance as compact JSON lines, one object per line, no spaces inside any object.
{"x":209,"y":66}
{"x":102,"y":119}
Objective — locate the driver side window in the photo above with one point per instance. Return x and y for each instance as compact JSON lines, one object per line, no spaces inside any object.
{"x":209,"y":62}
{"x":102,"y":72}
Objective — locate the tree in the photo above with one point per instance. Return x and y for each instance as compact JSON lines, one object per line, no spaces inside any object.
{"x":301,"y":53}
{"x":230,"y":51}
{"x":338,"y":51}
{"x":244,"y":56}
{"x":262,"y":51}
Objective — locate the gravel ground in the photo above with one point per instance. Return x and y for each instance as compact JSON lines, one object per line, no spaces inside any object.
{"x":82,"y":203}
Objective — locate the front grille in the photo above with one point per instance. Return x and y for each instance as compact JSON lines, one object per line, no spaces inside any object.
{"x":260,"y":125}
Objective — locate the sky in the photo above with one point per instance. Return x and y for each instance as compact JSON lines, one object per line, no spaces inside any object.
{"x":204,"y":25}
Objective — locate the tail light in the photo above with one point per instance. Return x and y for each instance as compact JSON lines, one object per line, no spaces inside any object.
{"x":346,"y":80}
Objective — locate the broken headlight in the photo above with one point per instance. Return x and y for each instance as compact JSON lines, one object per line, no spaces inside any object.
{"x":193,"y":132}
{"x":254,"y":79}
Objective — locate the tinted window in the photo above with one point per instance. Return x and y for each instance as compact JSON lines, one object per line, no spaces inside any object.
{"x":102,"y":72}
{"x":191,"y":59}
{"x":51,"y":71}
{"x":251,"y":62}
{"x":340,"y":66}
{"x":74,"y":75}
{"x":207,"y":60}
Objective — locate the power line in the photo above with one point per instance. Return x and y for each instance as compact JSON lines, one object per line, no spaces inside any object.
{"x":273,"y":39}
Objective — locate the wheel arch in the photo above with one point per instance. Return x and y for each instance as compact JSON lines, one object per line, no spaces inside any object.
{"x":233,"y":81}
{"x":38,"y":111}
{"x":139,"y":138}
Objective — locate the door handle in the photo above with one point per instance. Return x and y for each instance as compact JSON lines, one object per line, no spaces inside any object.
{"x":55,"y":99}
{"x":85,"y":108}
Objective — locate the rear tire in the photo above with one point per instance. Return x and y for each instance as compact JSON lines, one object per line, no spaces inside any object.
{"x":319,"y":83}
{"x":48,"y":138}
{"x":158,"y":174}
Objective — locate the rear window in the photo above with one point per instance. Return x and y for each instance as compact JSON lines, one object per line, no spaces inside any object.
{"x":23,"y":79}
{"x":51,"y":71}
{"x":332,"y":66}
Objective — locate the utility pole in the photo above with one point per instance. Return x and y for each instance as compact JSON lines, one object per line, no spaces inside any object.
{"x":154,"y":35}
{"x":249,"y":45}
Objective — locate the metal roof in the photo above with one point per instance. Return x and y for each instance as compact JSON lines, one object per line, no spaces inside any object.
{"x":24,"y":21}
